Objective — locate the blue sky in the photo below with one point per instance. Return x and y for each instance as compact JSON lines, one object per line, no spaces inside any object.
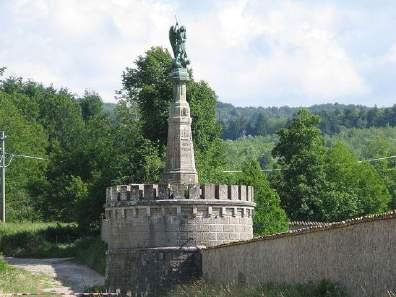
{"x":252,"y":53}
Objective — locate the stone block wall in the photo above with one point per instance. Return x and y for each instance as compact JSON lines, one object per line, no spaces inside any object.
{"x":359,"y":254}
{"x":163,"y":215}
{"x":177,"y":225}
{"x":150,"y":272}
{"x":141,"y":192}
{"x":154,"y":231}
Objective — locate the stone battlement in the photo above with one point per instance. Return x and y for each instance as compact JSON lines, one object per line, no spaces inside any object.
{"x":149,"y":192}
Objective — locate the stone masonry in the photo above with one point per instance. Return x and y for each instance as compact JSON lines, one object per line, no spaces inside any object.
{"x":180,"y":163}
{"x":154,"y":232}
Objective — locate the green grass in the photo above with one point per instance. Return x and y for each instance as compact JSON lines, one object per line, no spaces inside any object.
{"x":202,"y":289}
{"x":14,"y":280}
{"x":51,"y":240}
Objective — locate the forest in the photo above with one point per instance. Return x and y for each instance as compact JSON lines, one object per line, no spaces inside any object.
{"x":317,"y":163}
{"x":237,"y":122}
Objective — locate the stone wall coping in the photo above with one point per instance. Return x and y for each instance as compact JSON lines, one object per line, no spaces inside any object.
{"x":315,"y":228}
{"x":309,"y":223}
{"x":158,"y":249}
{"x":179,"y":202}
{"x":148,"y":192}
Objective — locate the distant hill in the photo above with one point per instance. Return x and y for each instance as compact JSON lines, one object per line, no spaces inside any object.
{"x":261,"y":121}
{"x":243,"y":121}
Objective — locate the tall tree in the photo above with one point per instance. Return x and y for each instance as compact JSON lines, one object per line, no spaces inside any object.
{"x":300,"y":151}
{"x":269,"y":217}
{"x":324,"y":184}
{"x":148,"y":88}
{"x":28,"y":138}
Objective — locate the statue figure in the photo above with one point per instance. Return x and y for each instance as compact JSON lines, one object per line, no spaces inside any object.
{"x":177,"y":37}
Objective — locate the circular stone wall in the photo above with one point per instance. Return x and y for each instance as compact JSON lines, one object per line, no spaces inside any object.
{"x":146,"y":216}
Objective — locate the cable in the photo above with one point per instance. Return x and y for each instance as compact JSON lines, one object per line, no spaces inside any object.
{"x":281,"y":169}
{"x":13,"y":156}
{"x":378,"y":159}
{"x":28,"y":157}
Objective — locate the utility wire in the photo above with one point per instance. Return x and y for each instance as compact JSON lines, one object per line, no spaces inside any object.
{"x":281,"y":169}
{"x":378,"y":159}
{"x":13,"y":156}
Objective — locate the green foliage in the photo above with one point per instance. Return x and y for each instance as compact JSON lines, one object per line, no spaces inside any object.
{"x":37,"y":239}
{"x":91,"y":106}
{"x":353,"y":188}
{"x":50,"y":240}
{"x":243,"y":121}
{"x":374,"y":143}
{"x":23,"y":137}
{"x":243,"y":149}
{"x":300,"y":151}
{"x":149,"y":87}
{"x":270,"y":217}
{"x":147,"y":92}
{"x":91,"y":251}
{"x":318,"y":289}
{"x":89,"y":145}
{"x":324,"y":184}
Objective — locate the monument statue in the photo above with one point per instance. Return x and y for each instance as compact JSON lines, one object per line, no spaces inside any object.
{"x":177,"y":37}
{"x":180,"y":160}
{"x":155,"y":232}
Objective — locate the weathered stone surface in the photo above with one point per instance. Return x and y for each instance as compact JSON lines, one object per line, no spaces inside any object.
{"x":221,"y":192}
{"x":194,"y":191}
{"x":152,"y":230}
{"x":163,"y":191}
{"x":180,"y":160}
{"x":150,"y":272}
{"x":358,"y":257}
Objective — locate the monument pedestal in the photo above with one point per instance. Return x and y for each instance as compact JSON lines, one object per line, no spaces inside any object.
{"x":180,"y":161}
{"x":154,"y":232}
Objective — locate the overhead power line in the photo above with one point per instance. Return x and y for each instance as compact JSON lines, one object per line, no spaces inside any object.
{"x":282,"y":169}
{"x":378,"y":159}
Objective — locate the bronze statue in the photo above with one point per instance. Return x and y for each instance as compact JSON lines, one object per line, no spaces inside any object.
{"x":177,"y":37}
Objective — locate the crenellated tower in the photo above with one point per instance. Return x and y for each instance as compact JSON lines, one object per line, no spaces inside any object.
{"x":154,"y":232}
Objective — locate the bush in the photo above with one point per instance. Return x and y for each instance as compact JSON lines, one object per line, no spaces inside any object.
{"x":52,"y":240}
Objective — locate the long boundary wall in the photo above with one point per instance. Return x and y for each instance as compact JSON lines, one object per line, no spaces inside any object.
{"x":359,"y":254}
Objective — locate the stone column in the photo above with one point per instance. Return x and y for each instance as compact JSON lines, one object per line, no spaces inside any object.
{"x":180,"y":161}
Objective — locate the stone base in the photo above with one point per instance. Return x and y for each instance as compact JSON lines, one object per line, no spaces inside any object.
{"x":176,"y":177}
{"x":151,"y":272}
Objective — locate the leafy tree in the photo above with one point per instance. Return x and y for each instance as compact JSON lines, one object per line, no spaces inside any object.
{"x":148,"y":86}
{"x":383,"y":146}
{"x":23,"y":137}
{"x":324,"y":184}
{"x":300,"y":151}
{"x":91,"y":104}
{"x":354,"y":188}
{"x":270,"y":217}
{"x":147,"y":90}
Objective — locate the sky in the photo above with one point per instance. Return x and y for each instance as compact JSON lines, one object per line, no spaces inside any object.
{"x":251,"y":52}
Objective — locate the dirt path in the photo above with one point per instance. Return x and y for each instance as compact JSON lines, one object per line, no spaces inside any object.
{"x":69,"y":276}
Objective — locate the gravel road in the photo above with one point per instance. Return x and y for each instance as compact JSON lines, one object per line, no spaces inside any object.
{"x":69,"y":276}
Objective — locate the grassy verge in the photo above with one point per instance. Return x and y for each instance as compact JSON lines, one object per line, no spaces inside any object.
{"x":51,"y":240}
{"x":14,"y":280}
{"x":202,"y":289}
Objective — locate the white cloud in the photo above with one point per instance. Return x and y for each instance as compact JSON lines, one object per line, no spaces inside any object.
{"x":245,"y":49}
{"x":303,"y":56}
{"x":80,"y":44}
